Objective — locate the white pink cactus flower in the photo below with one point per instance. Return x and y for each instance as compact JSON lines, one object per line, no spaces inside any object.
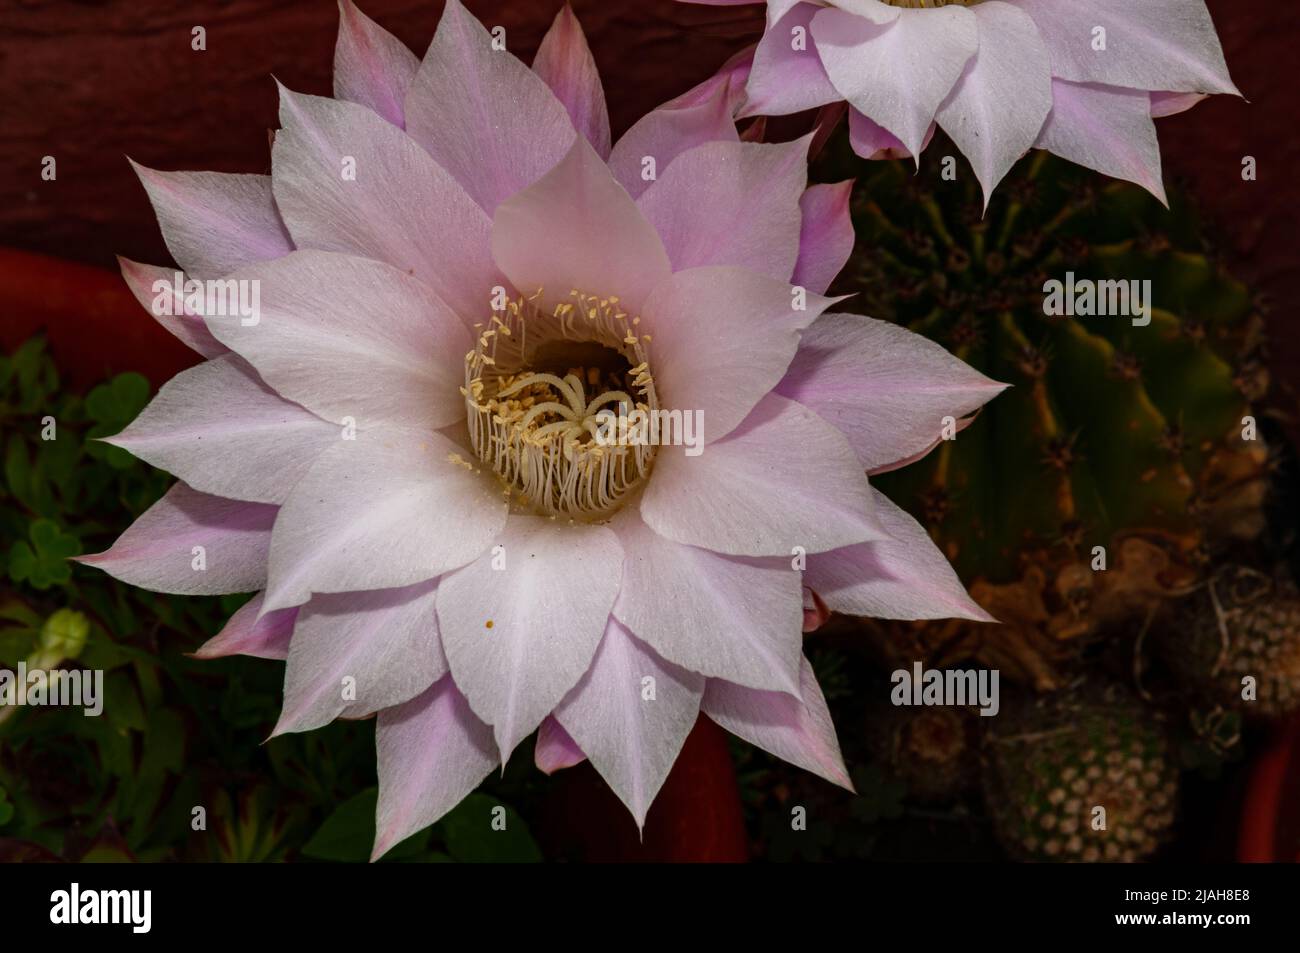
{"x":456,"y":273}
{"x":1080,"y":78}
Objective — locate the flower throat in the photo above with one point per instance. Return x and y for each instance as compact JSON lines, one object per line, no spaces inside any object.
{"x":536,"y":386}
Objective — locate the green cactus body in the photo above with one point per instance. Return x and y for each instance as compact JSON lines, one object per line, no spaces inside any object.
{"x":1085,"y":775}
{"x":1109,"y":426}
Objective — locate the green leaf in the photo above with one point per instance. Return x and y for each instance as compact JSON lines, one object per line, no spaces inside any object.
{"x":348,"y":833}
{"x":45,"y":561}
{"x":473,"y":837}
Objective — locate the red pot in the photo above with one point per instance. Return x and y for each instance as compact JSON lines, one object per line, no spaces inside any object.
{"x":1270,"y":817}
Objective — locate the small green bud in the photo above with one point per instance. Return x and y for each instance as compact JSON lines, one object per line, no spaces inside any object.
{"x":64,"y":635}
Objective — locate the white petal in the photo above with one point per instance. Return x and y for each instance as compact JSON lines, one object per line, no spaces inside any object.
{"x":519,"y":637}
{"x":903,"y":577}
{"x":432,"y":752}
{"x":797,"y":731}
{"x":357,"y":652}
{"x":192,"y":544}
{"x":390,"y":508}
{"x":397,"y":205}
{"x":898,"y":69}
{"x":631,"y":714}
{"x":223,"y":431}
{"x":353,"y":338}
{"x":998,"y":107}
{"x":722,"y":616}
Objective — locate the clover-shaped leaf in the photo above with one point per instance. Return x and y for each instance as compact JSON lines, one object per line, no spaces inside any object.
{"x":111,"y":407}
{"x":41,"y":560}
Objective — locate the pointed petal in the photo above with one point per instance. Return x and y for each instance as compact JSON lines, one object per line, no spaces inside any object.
{"x":999,"y":105}
{"x":520,"y":637}
{"x":903,"y":577}
{"x":1171,"y":104}
{"x":825,"y":235}
{"x":347,"y":181}
{"x":873,"y":141}
{"x":215,"y":222}
{"x":155,"y":288}
{"x":730,"y":203}
{"x":899,"y":65}
{"x":193,"y":544}
{"x":564,"y":60}
{"x":223,"y":431}
{"x":483,"y":115}
{"x":248,"y":632}
{"x":605,"y":246}
{"x":371,"y":66}
{"x":332,"y":326}
{"x":555,"y":749}
{"x":432,"y":752}
{"x":753,"y":493}
{"x":788,"y":76}
{"x":723,"y":338}
{"x":886,"y":389}
{"x":1156,"y":44}
{"x":667,"y":132}
{"x":1106,"y":129}
{"x":631,"y":729}
{"x":385,"y":642}
{"x":796,"y":731}
{"x":730,"y":618}
{"x":390,"y":508}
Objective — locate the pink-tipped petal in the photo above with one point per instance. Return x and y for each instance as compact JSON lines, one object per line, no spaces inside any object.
{"x":1171,"y":104}
{"x":723,"y":337}
{"x":886,"y":389}
{"x":250,"y":633}
{"x":998,"y":107}
{"x":797,"y":730}
{"x":873,"y":141}
{"x":898,"y":65}
{"x":903,"y":577}
{"x":815,"y":612}
{"x":736,"y":619}
{"x":219,"y":428}
{"x":787,"y":75}
{"x":748,"y":495}
{"x":728,"y":203}
{"x":519,"y":637}
{"x":347,"y":181}
{"x":192,"y":544}
{"x":631,"y":713}
{"x":1106,"y":129}
{"x":353,"y":338}
{"x":355,"y":653}
{"x":564,"y":60}
{"x":432,"y":752}
{"x":371,"y":66}
{"x":576,"y":228}
{"x":215,"y":222}
{"x":389,"y":508}
{"x":155,"y":289}
{"x":1155,"y":44}
{"x":483,"y":115}
{"x":825,"y":235}
{"x":647,"y":150}
{"x":555,"y":749}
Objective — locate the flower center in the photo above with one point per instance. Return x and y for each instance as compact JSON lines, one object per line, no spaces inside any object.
{"x":544,"y":394}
